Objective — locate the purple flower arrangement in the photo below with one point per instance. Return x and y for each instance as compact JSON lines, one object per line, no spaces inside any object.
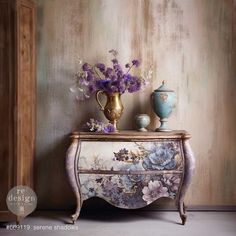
{"x":97,"y":126}
{"x":92,"y":78}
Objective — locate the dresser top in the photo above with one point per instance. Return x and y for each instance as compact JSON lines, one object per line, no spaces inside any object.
{"x":131,"y":135}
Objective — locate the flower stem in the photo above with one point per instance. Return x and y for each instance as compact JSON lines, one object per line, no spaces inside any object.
{"x":94,"y":69}
{"x":129,"y":69}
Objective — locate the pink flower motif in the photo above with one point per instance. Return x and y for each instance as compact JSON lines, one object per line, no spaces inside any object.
{"x":153,"y":191}
{"x":172,"y":181}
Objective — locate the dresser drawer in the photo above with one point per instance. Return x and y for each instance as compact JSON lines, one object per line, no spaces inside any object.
{"x":131,"y":157}
{"x":130,"y":191}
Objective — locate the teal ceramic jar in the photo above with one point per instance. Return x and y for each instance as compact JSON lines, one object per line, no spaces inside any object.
{"x":163,"y":101}
{"x":142,"y":121}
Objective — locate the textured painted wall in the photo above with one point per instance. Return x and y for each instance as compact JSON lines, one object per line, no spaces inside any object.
{"x":191,"y":44}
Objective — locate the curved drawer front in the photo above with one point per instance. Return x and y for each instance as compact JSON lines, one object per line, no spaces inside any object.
{"x":129,"y":191}
{"x":130,"y":156}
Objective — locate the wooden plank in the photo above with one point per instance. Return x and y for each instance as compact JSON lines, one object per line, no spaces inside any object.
{"x":17,"y":96}
{"x":6,"y":102}
{"x":26,"y":91}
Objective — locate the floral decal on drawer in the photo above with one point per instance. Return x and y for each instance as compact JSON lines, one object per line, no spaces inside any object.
{"x":161,"y":157}
{"x":158,"y":156}
{"x":131,"y":156}
{"x":129,"y":191}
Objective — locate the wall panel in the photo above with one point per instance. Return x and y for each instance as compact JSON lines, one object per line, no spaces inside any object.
{"x":190,"y":43}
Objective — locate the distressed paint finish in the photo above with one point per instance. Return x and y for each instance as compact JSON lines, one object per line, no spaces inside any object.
{"x":131,"y":156}
{"x":126,"y":177}
{"x":189,"y":171}
{"x":71,"y":156}
{"x":129,"y":191}
{"x":191,"y":44}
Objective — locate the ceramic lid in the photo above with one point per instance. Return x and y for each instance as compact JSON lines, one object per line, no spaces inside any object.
{"x":163,"y":88}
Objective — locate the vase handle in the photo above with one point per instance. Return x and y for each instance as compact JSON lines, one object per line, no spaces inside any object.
{"x":98,"y":100}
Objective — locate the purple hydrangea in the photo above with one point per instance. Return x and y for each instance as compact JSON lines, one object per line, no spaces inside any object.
{"x":103,"y":84}
{"x":101,"y":67}
{"x":85,"y":67}
{"x":134,"y":87}
{"x":92,"y":78}
{"x":136,"y":63}
{"x":133,"y":83}
{"x":89,"y":76}
{"x":114,"y":61}
{"x":121,"y":87}
{"x":109,"y":72}
{"x":92,"y":89}
{"x":113,"y":78}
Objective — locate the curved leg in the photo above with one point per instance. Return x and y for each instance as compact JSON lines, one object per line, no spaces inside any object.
{"x":189,"y":170}
{"x":184,"y":208}
{"x":182,"y":214}
{"x":71,"y":167}
{"x":19,"y":219}
{"x":75,"y":216}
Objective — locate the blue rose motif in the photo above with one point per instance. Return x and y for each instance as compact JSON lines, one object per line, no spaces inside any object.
{"x":131,"y":180}
{"x":160,"y":158}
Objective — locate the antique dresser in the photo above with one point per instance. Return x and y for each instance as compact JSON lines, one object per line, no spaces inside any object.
{"x":130,"y":169}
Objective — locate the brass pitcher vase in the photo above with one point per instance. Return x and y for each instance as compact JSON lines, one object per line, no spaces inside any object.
{"x":113,"y":108}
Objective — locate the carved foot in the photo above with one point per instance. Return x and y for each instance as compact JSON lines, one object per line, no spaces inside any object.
{"x":19,"y":219}
{"x":74,"y":217}
{"x":182,"y":212}
{"x":183,"y":218}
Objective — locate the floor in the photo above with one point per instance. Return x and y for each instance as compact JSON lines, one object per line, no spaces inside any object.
{"x":122,"y":223}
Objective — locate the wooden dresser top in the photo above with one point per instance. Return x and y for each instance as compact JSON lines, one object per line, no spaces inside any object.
{"x":131,"y":135}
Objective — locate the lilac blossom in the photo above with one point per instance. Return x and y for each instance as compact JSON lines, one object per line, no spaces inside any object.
{"x":97,"y":126}
{"x":109,"y":128}
{"x":93,"y":125}
{"x":113,"y":52}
